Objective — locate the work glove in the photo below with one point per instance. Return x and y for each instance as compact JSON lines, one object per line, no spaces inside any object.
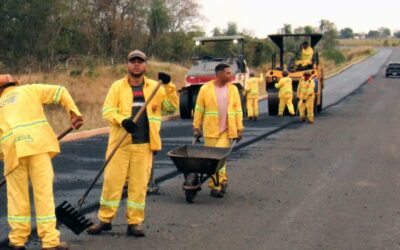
{"x":129,"y":126}
{"x":76,"y":121}
{"x":239,"y":135}
{"x":197,"y":133}
{"x":164,"y":77}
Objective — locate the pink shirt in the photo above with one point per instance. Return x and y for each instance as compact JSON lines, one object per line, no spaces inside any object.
{"x":222,"y":99}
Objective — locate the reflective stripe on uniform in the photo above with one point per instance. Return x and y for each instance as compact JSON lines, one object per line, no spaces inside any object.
{"x":155,"y":119}
{"x":137,"y":205}
{"x":169,"y":106}
{"x":19,"y":219}
{"x":57,"y":95}
{"x":23,"y":125}
{"x":198,"y":108}
{"x":109,"y":203}
{"x":210,"y":113}
{"x":45,"y":219}
{"x":108,"y":110}
{"x":231,"y":114}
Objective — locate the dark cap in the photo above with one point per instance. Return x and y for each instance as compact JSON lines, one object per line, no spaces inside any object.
{"x":137,"y":54}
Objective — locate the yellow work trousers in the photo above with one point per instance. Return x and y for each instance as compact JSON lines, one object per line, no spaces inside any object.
{"x":309,"y":106}
{"x":283,"y":102}
{"x":133,"y":162}
{"x":221,"y":142}
{"x":252,"y":106}
{"x":39,"y":170}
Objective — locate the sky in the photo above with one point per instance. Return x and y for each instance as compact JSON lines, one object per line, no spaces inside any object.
{"x":266,"y":17}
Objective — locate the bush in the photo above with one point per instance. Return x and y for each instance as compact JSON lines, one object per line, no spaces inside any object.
{"x":75,"y":72}
{"x":334,"y":55}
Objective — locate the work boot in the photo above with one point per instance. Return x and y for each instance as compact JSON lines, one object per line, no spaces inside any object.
{"x":135,"y":230}
{"x":224,"y":187}
{"x":310,"y":121}
{"x":98,"y":228}
{"x":255,"y":118}
{"x":11,"y":246}
{"x":250,"y":118}
{"x":62,"y":246}
{"x":302,"y":119}
{"x":216,"y":193}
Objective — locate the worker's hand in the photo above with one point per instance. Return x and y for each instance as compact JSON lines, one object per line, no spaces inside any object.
{"x":197,"y":133}
{"x":76,"y":121}
{"x":239,"y":135}
{"x":129,"y":126}
{"x":164,"y":77}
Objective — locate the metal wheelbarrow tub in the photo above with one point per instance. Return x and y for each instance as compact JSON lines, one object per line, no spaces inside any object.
{"x":199,"y":159}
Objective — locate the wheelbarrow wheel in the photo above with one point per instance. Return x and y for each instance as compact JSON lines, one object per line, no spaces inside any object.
{"x":190,"y":195}
{"x":191,"y":186}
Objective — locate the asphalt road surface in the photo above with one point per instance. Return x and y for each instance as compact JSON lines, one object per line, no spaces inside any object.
{"x":327,"y":186}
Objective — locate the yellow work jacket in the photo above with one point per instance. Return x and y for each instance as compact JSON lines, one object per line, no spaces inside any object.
{"x":24,"y":130}
{"x":118,"y":106}
{"x":306,"y":89}
{"x":285,"y":87}
{"x":251,"y":87}
{"x":307,"y":54}
{"x":206,"y":111}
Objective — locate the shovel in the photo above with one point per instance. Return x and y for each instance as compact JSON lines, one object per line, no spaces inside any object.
{"x":59,"y":137}
{"x":70,"y":216}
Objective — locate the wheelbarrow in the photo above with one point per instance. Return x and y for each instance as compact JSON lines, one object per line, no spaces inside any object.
{"x":198,"y":163}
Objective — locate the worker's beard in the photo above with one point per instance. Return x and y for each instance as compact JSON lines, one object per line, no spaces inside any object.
{"x":136,"y":75}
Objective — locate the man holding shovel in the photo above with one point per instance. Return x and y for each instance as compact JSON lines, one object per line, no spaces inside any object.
{"x":27,"y":145}
{"x":133,"y":159}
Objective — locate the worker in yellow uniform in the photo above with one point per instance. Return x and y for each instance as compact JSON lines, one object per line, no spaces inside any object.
{"x":285,"y":94}
{"x":251,"y":92}
{"x":27,"y":145}
{"x":306,"y":97}
{"x":306,"y":55}
{"x":218,"y":112}
{"x":133,"y":159}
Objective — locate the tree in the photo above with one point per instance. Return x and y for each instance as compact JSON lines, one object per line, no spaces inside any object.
{"x":287,"y":29}
{"x":346,"y":33}
{"x":158,"y":22}
{"x":373,"y":34}
{"x":397,"y":34}
{"x":183,"y":14}
{"x":232,"y":29}
{"x":330,"y":33}
{"x":384,"y":32}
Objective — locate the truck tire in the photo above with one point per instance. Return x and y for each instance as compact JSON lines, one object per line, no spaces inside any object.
{"x":273,"y":104}
{"x":185,"y":107}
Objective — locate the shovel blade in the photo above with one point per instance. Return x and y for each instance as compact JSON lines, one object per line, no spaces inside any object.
{"x":72,"y":218}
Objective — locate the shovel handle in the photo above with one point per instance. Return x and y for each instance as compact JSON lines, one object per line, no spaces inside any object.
{"x":81,"y":201}
{"x":59,"y":137}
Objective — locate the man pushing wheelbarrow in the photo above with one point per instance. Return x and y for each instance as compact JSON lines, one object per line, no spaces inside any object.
{"x":218,"y":111}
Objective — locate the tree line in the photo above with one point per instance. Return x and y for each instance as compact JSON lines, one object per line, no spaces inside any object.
{"x":42,"y":35}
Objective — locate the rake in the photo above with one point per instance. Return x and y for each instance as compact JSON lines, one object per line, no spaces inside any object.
{"x":67,"y":213}
{"x":59,"y":137}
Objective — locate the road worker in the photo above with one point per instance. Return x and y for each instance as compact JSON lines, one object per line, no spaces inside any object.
{"x":27,"y":145}
{"x":133,"y":159}
{"x":251,"y":92}
{"x":306,"y":55}
{"x":306,"y":96}
{"x":218,"y":112}
{"x":285,"y":94}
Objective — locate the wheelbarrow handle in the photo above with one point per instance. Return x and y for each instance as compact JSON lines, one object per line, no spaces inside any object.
{"x":59,"y":137}
{"x":81,"y":201}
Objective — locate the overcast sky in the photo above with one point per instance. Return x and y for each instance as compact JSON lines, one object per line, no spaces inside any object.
{"x":266,"y":17}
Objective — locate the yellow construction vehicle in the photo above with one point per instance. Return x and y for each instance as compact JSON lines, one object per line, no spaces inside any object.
{"x":289,"y":55}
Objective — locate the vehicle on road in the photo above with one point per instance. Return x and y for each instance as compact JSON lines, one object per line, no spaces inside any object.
{"x":393,"y":69}
{"x":288,"y":54}
{"x":208,"y":53}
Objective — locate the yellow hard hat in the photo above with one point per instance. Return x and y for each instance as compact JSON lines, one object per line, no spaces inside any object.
{"x":7,"y":79}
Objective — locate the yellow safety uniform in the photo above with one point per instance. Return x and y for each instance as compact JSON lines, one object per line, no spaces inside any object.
{"x":28,"y":143}
{"x":306,"y":91}
{"x":285,"y":95}
{"x":206,"y":116}
{"x":251,"y":92}
{"x":306,"y":57}
{"x":132,"y":161}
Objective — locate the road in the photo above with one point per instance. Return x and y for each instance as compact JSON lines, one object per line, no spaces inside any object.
{"x":171,"y":223}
